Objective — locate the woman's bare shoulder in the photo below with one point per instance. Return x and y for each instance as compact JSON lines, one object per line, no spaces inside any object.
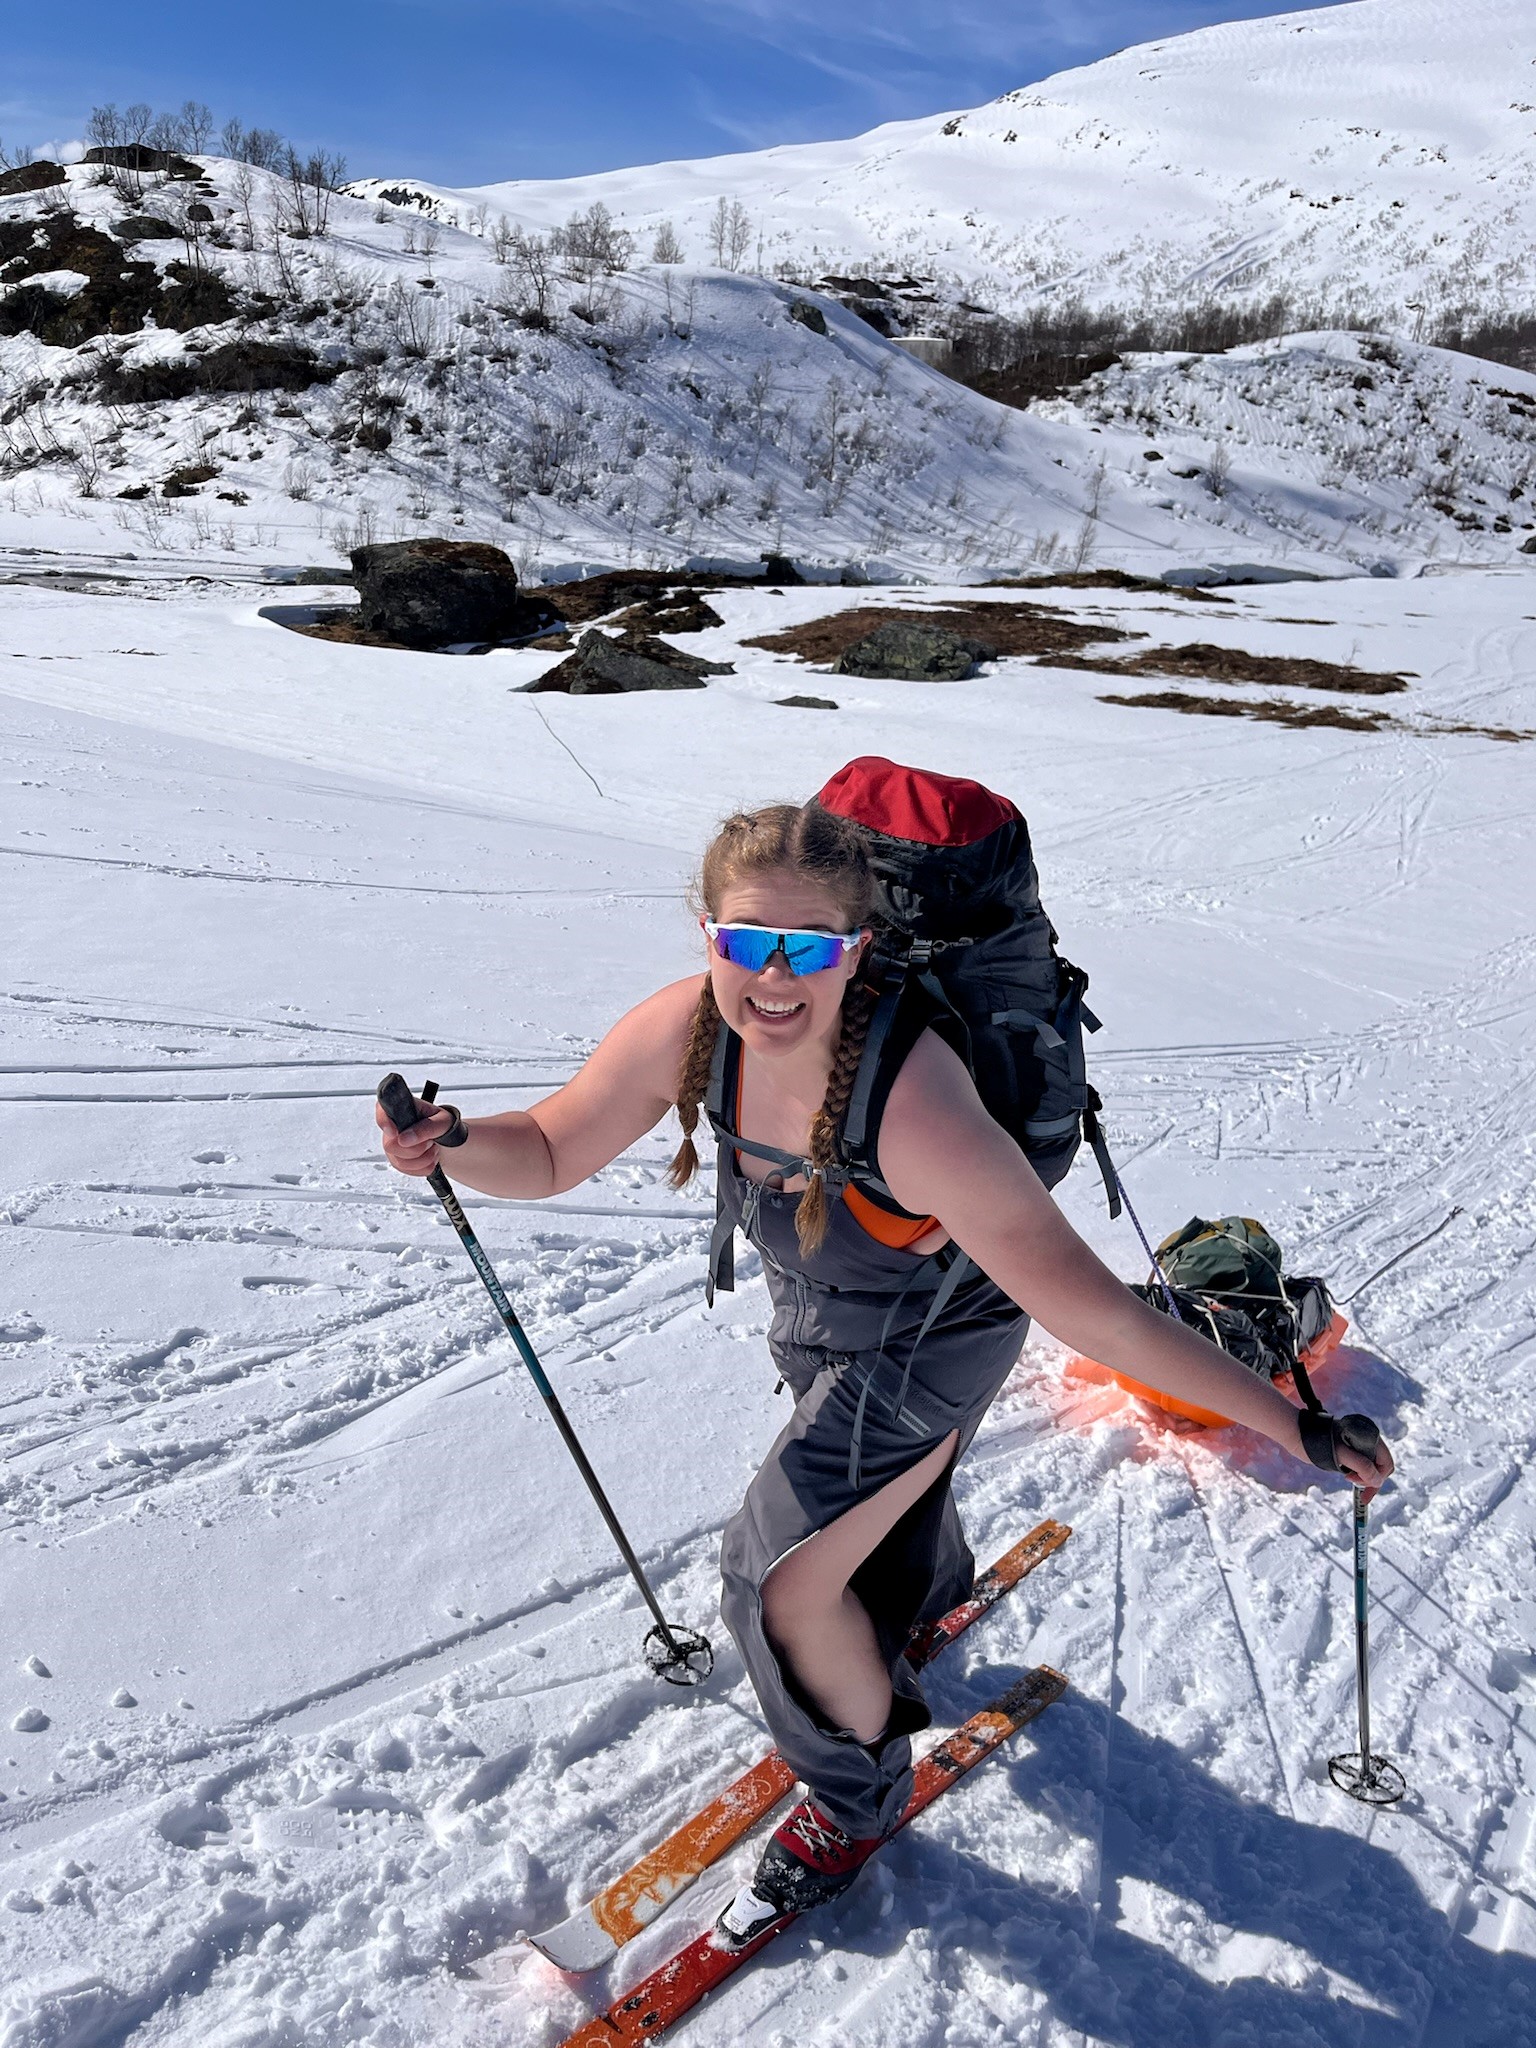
{"x":941,"y":1152}
{"x":932,"y":1077}
{"x":932,"y":1111}
{"x":656,"y":1030}
{"x":670,"y":1011}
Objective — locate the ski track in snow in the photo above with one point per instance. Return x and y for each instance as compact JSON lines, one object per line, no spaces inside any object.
{"x":268,"y":1469}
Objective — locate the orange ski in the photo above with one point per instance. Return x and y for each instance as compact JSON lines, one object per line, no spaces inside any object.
{"x":702,"y":1964}
{"x":594,"y":1934}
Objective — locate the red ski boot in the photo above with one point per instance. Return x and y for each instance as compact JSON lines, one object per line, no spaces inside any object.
{"x":808,"y":1860}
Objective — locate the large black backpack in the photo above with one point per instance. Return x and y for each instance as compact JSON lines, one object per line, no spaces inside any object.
{"x":966,"y":950}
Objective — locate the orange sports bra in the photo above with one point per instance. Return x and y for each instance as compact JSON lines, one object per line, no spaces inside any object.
{"x":900,"y":1233}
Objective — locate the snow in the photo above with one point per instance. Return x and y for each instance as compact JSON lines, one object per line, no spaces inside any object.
{"x":64,"y":284}
{"x":1376,"y":155}
{"x":286,"y":1529}
{"x":671,"y":413}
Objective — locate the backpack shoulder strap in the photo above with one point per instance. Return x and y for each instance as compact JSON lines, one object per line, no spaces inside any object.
{"x":903,"y":1012}
{"x":724,"y":1077}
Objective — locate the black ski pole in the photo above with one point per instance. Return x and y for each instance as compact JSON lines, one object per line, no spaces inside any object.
{"x":679,"y":1655}
{"x":1362,"y":1774}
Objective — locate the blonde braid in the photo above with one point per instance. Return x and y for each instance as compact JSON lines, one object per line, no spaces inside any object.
{"x":693,"y":1082}
{"x":811,"y":1211}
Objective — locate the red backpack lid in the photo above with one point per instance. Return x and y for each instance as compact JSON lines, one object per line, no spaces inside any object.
{"x":912,"y":803}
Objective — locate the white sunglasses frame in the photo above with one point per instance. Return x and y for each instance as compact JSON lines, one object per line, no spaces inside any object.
{"x":848,"y":940}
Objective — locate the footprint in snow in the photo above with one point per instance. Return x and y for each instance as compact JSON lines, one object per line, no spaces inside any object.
{"x":1513,"y":1671}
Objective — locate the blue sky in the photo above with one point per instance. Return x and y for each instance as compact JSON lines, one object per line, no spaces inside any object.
{"x":466,"y":91}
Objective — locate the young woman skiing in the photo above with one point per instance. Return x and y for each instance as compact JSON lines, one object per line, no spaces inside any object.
{"x":848,"y":1535}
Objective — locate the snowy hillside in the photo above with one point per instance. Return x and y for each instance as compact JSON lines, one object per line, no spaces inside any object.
{"x":231,"y":389}
{"x":283,"y":1525}
{"x":1380,"y":155}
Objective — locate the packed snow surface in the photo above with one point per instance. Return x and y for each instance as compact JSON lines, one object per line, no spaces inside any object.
{"x":286,"y":1527}
{"x":1381,"y":154}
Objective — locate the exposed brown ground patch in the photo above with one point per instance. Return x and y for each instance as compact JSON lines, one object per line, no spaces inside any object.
{"x":655,"y":590}
{"x":1204,"y":663}
{"x":1272,"y":710}
{"x":1007,"y":628}
{"x":1107,"y":579}
{"x":1277,"y":711}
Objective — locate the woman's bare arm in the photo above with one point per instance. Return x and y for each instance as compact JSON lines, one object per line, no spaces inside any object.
{"x":943,"y":1155}
{"x":620,"y":1093}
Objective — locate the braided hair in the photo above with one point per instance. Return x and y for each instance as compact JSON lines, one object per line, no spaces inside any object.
{"x":811,"y":1212}
{"x":817,"y":846}
{"x":692,"y":1082}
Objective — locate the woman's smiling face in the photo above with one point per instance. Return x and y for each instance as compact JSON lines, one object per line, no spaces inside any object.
{"x":775,"y":1011}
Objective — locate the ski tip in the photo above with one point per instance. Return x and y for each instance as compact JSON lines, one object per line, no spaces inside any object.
{"x":577,"y":1944}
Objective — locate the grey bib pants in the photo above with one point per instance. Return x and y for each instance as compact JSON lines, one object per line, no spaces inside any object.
{"x":870,"y":1402}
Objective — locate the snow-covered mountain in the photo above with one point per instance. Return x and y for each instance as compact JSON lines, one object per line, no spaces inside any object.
{"x":1378,"y":155}
{"x":289,"y":396}
{"x":201,"y":361}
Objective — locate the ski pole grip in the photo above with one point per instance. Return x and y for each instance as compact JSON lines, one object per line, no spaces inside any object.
{"x":397,"y":1101}
{"x":1360,"y":1434}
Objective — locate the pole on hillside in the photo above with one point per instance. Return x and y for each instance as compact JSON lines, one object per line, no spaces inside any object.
{"x":1365,"y":1776}
{"x":679,"y":1655}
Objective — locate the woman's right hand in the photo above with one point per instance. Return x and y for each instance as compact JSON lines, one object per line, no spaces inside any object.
{"x":413,"y":1151}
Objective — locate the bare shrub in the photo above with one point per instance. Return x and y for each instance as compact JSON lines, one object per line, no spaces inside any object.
{"x":593,"y":245}
{"x":194,"y":125}
{"x":412,"y":320}
{"x":730,"y":233}
{"x":666,"y":248}
{"x":530,"y":286}
{"x":311,"y":182}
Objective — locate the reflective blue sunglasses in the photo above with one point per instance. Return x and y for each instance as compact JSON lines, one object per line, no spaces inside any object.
{"x":752,"y":946}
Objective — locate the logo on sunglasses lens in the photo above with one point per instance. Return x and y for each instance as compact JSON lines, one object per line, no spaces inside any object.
{"x":751,"y":947}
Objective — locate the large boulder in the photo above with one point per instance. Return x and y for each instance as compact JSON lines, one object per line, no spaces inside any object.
{"x":439,"y":593}
{"x":141,"y":156}
{"x":31,"y":178}
{"x":144,"y":227}
{"x":601,"y":667}
{"x":917,"y":654}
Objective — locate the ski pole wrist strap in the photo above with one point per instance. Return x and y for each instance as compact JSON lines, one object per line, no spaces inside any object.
{"x":1323,"y":1436}
{"x":457,"y":1131}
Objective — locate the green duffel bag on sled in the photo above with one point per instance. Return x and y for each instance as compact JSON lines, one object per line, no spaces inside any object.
{"x":1229,"y":1281}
